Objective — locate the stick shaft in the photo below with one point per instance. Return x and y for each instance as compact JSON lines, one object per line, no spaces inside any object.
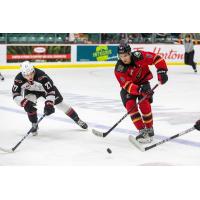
{"x":15,"y":147}
{"x":170,"y":138}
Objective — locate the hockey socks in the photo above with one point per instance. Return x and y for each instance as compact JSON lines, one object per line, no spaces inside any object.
{"x":72,"y":114}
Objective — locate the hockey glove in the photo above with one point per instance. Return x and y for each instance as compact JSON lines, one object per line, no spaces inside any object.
{"x":197,"y":125}
{"x":49,"y":108}
{"x":146,"y":89}
{"x":28,"y":106}
{"x":162,"y":76}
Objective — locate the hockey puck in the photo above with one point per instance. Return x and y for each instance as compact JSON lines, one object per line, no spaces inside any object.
{"x":109,"y":150}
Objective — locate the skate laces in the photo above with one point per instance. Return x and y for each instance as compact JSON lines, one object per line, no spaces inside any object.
{"x":150,"y":132}
{"x":143,"y":132}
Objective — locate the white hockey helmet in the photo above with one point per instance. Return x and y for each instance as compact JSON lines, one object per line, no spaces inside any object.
{"x":26,"y":68}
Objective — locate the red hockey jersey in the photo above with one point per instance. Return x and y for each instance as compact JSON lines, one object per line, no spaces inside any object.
{"x":137,"y":72}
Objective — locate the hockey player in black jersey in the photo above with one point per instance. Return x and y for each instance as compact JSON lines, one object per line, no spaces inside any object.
{"x":32,"y":83}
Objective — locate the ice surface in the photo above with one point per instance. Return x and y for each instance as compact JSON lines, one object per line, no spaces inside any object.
{"x":94,"y":94}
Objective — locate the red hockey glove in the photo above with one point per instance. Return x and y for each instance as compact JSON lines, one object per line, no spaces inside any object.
{"x":28,"y":106}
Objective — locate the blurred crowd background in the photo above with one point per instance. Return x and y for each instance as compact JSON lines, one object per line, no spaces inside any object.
{"x":92,"y":38}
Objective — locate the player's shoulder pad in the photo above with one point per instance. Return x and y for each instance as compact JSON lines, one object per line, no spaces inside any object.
{"x":39,"y":72}
{"x":40,"y":75}
{"x":137,"y":55}
{"x":19,"y":79}
{"x":43,"y":78}
{"x":120,"y":67}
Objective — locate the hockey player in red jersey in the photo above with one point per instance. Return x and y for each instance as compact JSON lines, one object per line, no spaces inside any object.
{"x":133,"y":74}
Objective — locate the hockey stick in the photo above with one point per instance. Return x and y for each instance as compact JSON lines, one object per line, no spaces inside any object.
{"x":15,"y":147}
{"x":104,"y":134}
{"x":141,"y":148}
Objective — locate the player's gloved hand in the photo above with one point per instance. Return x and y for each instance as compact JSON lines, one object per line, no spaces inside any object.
{"x":197,"y":125}
{"x":146,"y":89}
{"x":28,"y":106}
{"x":49,"y":108}
{"x":162,"y":76}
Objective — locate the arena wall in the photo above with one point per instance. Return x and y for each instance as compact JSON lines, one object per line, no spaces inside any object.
{"x":82,"y":56}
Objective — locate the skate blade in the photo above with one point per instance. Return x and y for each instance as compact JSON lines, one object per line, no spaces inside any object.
{"x":97,"y":133}
{"x":145,"y":140}
{"x":6,"y":150}
{"x":133,"y":141}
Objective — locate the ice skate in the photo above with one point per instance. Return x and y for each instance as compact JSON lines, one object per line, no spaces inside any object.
{"x":145,"y":135}
{"x":82,"y":124}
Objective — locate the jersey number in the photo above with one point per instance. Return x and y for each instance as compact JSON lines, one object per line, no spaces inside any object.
{"x":48,"y":85}
{"x":15,"y":87}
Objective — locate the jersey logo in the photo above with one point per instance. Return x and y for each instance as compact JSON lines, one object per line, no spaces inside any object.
{"x":138,"y":76}
{"x":137,"y":54}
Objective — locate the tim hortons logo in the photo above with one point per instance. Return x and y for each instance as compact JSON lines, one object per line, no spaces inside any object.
{"x":169,"y":54}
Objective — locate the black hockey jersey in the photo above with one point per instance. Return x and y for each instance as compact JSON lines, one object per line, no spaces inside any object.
{"x":41,"y":83}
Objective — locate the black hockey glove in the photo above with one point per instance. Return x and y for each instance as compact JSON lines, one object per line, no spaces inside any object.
{"x":49,"y":108}
{"x":28,"y":106}
{"x":197,"y":125}
{"x":146,"y":89}
{"x":162,"y":76}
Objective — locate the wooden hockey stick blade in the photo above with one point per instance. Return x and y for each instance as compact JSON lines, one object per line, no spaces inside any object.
{"x":6,"y":150}
{"x":97,"y":133}
{"x":136,"y":143}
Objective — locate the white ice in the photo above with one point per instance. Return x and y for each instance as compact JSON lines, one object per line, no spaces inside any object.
{"x":94,"y":94}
